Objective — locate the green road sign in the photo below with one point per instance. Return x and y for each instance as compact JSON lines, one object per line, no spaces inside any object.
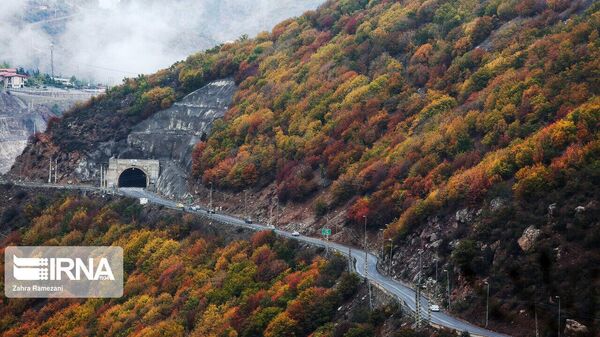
{"x":326,"y":232}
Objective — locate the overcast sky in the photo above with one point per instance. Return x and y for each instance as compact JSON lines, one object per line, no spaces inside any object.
{"x":115,"y":39}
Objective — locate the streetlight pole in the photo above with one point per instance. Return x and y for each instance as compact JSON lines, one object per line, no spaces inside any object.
{"x":210,"y":203}
{"x":365,"y":245}
{"x":448,"y":285}
{"x":382,"y":243}
{"x":246,"y":204}
{"x":50,"y":172}
{"x":420,"y":267}
{"x":487,"y":304}
{"x":276,"y":211}
{"x":558,"y":298}
{"x":391,"y":256}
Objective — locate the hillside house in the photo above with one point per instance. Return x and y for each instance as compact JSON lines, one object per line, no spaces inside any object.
{"x":11,"y":80}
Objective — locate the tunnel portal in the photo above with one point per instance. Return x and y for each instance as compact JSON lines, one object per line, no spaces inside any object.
{"x":133,"y":177}
{"x":139,"y":173}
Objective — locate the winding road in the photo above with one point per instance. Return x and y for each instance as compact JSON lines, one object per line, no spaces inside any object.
{"x":403,"y":292}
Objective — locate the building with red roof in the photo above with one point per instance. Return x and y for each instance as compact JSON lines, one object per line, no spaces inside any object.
{"x":10,"y":79}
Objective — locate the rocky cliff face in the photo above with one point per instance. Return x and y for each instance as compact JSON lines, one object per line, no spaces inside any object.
{"x":172,"y":133}
{"x":18,"y":121}
{"x":168,"y":136}
{"x":25,"y":112}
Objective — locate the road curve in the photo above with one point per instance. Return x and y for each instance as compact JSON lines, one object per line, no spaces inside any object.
{"x":402,"y":291}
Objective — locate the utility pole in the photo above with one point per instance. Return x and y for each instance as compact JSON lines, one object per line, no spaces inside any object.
{"x":56,"y":170}
{"x":436,"y":270}
{"x":50,"y":172}
{"x":246,"y":204}
{"x":366,"y":269}
{"x":210,"y":202}
{"x":448,"y":279}
{"x":537,"y":331}
{"x":418,"y":306}
{"x":370,"y":297}
{"x":420,"y":266}
{"x":382,"y":243}
{"x":487,"y":304}
{"x":391,"y":256}
{"x":276,"y":211}
{"x":52,"y":59}
{"x":365,"y":246}
{"x":101,"y":180}
{"x":271,"y":212}
{"x":558,"y":298}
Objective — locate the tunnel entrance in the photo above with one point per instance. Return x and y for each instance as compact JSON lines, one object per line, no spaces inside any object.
{"x":133,"y":177}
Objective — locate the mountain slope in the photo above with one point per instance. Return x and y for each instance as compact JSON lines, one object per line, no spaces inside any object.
{"x":463,"y":124}
{"x":182,"y":275}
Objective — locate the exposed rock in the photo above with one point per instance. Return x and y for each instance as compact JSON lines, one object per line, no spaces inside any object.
{"x":172,"y":181}
{"x":172,"y":133}
{"x":168,"y":136}
{"x":17,"y":123}
{"x":436,"y":244}
{"x":433,"y":237}
{"x":527,"y":240}
{"x":464,"y":215}
{"x":496,"y":204}
{"x":575,"y":329}
{"x":24,"y":112}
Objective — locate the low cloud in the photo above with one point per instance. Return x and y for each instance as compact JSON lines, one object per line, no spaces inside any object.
{"x":107,"y":40}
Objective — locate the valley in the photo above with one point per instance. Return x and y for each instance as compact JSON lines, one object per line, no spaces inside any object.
{"x":452,"y":146}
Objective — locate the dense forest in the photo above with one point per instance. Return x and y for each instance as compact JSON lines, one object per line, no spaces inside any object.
{"x":405,"y":112}
{"x":183,"y":277}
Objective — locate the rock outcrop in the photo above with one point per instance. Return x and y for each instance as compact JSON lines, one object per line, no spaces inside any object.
{"x":172,"y":133}
{"x":575,"y":329}
{"x":168,"y":136}
{"x":528,"y":239}
{"x":17,"y":122}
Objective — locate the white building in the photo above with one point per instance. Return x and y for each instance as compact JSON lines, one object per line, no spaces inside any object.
{"x":64,"y":81}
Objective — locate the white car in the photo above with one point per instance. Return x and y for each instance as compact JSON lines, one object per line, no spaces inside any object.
{"x":434,"y":307}
{"x":295,"y":233}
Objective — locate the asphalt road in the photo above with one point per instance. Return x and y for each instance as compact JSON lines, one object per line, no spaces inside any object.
{"x":402,"y":291}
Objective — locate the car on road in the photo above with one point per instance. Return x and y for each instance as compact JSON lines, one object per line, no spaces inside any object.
{"x":180,"y":206}
{"x":248,"y":220}
{"x":434,"y":308}
{"x":210,"y":211}
{"x":195,"y":208}
{"x":271,"y":226}
{"x":295,"y":233}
